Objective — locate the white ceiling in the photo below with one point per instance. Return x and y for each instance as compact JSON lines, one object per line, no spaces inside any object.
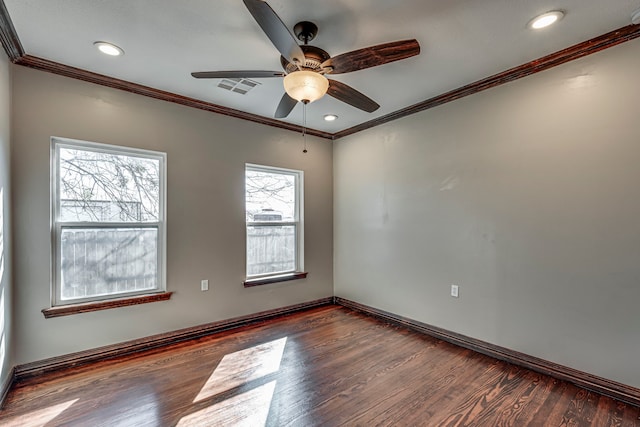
{"x":462,"y":41}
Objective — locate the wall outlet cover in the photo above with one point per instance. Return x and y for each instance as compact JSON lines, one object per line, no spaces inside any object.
{"x":454,"y":291}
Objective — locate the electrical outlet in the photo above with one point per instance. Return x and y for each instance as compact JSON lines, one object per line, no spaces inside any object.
{"x":454,"y":291}
{"x":204,"y":285}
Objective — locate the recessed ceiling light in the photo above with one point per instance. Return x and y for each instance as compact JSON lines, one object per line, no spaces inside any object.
{"x":546,"y":19}
{"x":330,"y":117}
{"x":109,"y":48}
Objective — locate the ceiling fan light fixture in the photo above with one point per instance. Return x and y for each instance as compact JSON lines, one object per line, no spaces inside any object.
{"x":109,"y":48}
{"x":546,"y":19}
{"x":305,"y":86}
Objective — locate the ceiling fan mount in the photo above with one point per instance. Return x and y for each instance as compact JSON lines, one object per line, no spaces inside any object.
{"x":305,"y":31}
{"x":306,"y":65}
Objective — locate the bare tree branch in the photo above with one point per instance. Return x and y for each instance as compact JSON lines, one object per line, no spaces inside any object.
{"x":108,"y":187}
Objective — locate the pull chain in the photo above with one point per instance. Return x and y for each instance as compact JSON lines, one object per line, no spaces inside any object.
{"x":304,"y":125}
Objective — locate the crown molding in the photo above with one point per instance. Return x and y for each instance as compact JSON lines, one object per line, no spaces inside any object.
{"x":13,"y":47}
{"x":9,"y":36}
{"x":577,"y":51}
{"x":100,"y":79}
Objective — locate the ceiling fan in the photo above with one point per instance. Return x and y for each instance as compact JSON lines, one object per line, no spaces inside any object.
{"x":305,"y":66}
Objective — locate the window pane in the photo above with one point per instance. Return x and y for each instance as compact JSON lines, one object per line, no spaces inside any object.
{"x":271,"y":249}
{"x":104,"y":187}
{"x":108,"y":261}
{"x":270,"y":196}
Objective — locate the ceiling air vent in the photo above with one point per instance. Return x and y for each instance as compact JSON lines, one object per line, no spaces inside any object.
{"x":241,"y":86}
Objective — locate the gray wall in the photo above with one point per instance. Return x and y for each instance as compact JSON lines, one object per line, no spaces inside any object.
{"x":526,"y":196}
{"x":206,"y":155}
{"x":6,"y":309}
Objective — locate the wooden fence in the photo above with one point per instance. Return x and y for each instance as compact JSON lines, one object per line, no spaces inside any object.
{"x":108,"y":261}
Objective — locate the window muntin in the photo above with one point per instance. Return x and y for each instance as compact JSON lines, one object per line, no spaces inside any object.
{"x":108,"y":223}
{"x":273,"y":217}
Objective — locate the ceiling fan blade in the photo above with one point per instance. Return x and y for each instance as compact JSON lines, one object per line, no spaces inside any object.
{"x":346,"y":93}
{"x":242,"y":74}
{"x":371,"y":56}
{"x":275,"y":29}
{"x":285,"y":106}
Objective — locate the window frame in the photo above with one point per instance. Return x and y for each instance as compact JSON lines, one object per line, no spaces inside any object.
{"x":57,"y":226}
{"x":298,"y":223}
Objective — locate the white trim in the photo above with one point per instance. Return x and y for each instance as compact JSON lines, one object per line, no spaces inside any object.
{"x":297,"y":223}
{"x":57,"y":227}
{"x":300,"y":209}
{"x":270,"y":223}
{"x":254,"y":166}
{"x":100,"y":147}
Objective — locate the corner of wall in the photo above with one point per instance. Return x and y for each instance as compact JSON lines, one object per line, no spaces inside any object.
{"x":7,"y":360}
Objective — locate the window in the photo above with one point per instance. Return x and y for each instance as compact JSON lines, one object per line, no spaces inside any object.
{"x":274,"y":224}
{"x":108,"y":221}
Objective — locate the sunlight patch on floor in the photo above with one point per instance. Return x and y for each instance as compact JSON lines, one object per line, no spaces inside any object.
{"x":249,"y":409}
{"x":241,"y":367}
{"x":41,"y":417}
{"x":248,"y":404}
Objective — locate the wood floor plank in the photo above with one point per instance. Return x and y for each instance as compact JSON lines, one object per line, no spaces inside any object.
{"x":520,"y":408}
{"x":608,"y":414}
{"x":631,"y":417}
{"x":436,"y":387}
{"x":328,"y":366}
{"x":404,"y":402}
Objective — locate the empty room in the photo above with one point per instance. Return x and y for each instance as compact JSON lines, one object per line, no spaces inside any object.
{"x":329,"y":213}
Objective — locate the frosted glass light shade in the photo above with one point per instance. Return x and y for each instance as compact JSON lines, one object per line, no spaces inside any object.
{"x":305,"y":85}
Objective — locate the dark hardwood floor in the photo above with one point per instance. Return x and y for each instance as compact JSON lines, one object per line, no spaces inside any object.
{"x":328,"y":366}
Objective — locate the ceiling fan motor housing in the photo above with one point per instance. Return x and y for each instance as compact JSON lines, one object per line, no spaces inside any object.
{"x":313,"y":58}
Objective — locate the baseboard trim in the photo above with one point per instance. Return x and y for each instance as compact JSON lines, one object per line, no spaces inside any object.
{"x":6,"y":386}
{"x":613,"y":389}
{"x":29,"y":370}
